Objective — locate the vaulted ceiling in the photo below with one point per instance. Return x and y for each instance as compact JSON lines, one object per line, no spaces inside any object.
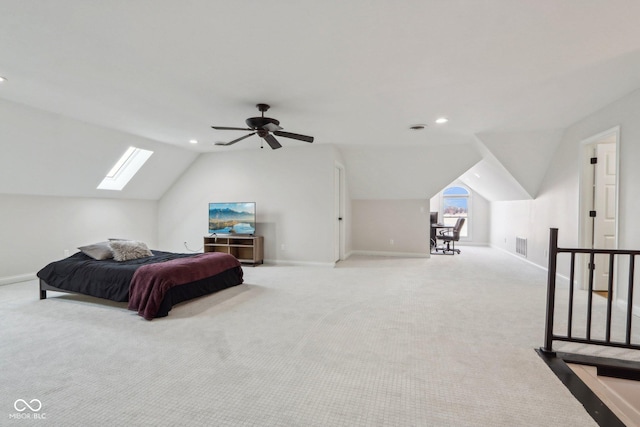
{"x":509,"y":76}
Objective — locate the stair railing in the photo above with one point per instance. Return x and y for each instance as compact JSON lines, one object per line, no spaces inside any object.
{"x":613,"y":255}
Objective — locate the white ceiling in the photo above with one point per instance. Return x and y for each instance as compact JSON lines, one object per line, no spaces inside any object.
{"x":355,"y":73}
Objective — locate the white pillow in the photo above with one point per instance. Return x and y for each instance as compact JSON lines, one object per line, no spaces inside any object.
{"x":98,"y":251}
{"x":125,"y":250}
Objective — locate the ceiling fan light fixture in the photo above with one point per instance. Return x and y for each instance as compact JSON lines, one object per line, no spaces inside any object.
{"x":265,"y":128}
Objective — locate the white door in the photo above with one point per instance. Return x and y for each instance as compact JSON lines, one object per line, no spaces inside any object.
{"x":604,"y":223}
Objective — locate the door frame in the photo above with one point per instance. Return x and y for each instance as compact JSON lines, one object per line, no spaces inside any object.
{"x":339,"y":209}
{"x":585,"y":233}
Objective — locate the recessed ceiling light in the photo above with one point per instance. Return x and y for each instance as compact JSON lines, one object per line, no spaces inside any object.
{"x":442,"y":120}
{"x":417,"y":127}
{"x":193,"y":141}
{"x":3,"y":79}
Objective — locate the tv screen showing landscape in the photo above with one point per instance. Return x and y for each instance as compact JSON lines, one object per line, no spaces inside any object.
{"x":228,"y":218}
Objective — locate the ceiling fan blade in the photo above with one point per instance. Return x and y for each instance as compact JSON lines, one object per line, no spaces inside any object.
{"x":271,"y":127}
{"x":235,"y":140}
{"x":272,"y":141}
{"x":228,"y":128}
{"x":294,"y":136}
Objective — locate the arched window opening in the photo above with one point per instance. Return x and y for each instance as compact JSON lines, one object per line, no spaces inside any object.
{"x":455,"y":204}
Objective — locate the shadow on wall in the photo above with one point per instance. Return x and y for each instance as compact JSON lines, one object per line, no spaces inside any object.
{"x":268,"y":231}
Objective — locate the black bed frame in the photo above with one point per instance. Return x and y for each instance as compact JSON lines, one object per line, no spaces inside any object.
{"x":44,"y":287}
{"x":176,"y":294}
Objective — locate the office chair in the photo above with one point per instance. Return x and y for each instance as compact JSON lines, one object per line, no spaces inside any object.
{"x":451,"y":237}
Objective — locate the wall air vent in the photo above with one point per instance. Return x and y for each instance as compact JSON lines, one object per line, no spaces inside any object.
{"x":521,"y":246}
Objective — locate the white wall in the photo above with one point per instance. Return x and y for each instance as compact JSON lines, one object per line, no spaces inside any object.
{"x":36,"y":230}
{"x":292,"y":188}
{"x":481,"y":221}
{"x":558,"y":200}
{"x":384,"y":227}
{"x":376,"y":222}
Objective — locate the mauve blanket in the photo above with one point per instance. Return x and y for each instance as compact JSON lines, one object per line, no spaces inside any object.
{"x":151,"y":282}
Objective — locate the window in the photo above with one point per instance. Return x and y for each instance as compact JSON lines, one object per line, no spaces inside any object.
{"x":455,"y":204}
{"x":125,"y":168}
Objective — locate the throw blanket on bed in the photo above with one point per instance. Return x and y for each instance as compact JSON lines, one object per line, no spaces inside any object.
{"x":151,"y":282}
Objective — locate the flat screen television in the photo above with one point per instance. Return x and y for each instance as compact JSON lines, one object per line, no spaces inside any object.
{"x":232,"y":218}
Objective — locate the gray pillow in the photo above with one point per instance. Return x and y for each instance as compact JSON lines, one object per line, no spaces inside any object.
{"x":99,"y":251}
{"x":125,"y":250}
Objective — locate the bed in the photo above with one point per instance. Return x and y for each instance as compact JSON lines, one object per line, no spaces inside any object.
{"x":151,"y":285}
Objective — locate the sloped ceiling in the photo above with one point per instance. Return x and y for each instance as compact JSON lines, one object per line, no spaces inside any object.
{"x":411,"y":173}
{"x":47,"y":154}
{"x":524,"y":155}
{"x":354,"y":74}
{"x":493,"y":182}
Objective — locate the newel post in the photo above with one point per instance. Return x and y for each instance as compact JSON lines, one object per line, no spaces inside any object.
{"x":551,"y":290}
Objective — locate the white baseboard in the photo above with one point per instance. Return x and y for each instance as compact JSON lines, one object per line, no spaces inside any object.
{"x":565,"y":279}
{"x":392,"y":254}
{"x":521,"y":258}
{"x":619,"y":302}
{"x":409,"y":254}
{"x":299,"y":263}
{"x":16,"y":279}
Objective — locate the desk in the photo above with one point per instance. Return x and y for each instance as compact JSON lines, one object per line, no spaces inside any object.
{"x":434,"y":231}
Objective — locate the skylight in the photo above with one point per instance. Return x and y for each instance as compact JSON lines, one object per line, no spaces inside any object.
{"x":125,"y":168}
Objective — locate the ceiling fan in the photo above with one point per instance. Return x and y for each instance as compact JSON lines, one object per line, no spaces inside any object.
{"x":264,"y":127}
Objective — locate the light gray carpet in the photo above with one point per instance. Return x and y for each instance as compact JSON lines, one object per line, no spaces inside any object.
{"x":598,"y":325}
{"x":446,"y":341}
